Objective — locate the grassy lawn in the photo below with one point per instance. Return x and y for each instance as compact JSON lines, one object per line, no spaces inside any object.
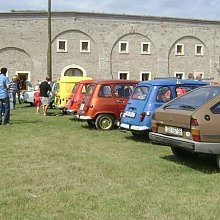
{"x":53,"y":167}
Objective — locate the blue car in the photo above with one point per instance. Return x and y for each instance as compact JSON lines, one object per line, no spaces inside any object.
{"x":147,"y":97}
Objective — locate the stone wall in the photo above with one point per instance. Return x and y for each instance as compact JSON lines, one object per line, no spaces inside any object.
{"x":23,"y":45}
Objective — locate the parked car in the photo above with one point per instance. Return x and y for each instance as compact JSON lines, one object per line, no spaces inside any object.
{"x":28,"y":96}
{"x":190,"y":123}
{"x":147,"y":97}
{"x":64,"y":90}
{"x":104,"y":101}
{"x":76,"y":98}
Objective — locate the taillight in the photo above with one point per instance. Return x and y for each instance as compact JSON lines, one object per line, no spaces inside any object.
{"x":142,"y":116}
{"x":195,"y":129}
{"x":154,"y":124}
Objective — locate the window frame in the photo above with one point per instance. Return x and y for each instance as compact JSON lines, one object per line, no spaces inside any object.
{"x":143,"y":72}
{"x":176,"y":52}
{"x":58,"y":46}
{"x":182,"y":73}
{"x":202,"y":50}
{"x":81,"y":48}
{"x":124,"y":72}
{"x":127,"y":47}
{"x":142,"y":47}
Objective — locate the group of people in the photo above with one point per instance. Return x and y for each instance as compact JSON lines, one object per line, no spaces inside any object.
{"x":10,"y":91}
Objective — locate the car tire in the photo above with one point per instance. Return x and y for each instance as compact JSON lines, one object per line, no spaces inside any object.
{"x":52,"y":105}
{"x":105,"y":122}
{"x":141,"y":135}
{"x":181,"y":153}
{"x":218,"y":160}
{"x":91,"y":123}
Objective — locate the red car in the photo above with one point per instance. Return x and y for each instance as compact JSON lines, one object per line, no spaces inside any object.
{"x":104,"y":101}
{"x":76,"y":98}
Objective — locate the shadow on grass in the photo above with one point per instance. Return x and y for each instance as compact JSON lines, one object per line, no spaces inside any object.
{"x":138,"y":139}
{"x":26,"y":121}
{"x":203,"y":163}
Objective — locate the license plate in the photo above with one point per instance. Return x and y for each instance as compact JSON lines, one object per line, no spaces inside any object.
{"x":130,"y":114}
{"x":174,"y":130}
{"x":81,"y":106}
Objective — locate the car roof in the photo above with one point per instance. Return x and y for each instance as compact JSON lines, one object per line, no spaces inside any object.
{"x":73,"y":79}
{"x":115,"y":81}
{"x":86,"y":81}
{"x":172,"y":82}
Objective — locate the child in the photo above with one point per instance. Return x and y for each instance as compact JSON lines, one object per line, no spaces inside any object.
{"x":37,"y":101}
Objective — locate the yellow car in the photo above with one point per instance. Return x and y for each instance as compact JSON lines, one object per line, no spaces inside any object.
{"x":64,"y":88}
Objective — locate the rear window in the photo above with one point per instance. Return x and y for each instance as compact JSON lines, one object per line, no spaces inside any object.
{"x":140,"y":92}
{"x":194,"y":99}
{"x":84,"y":88}
{"x":75,"y":87}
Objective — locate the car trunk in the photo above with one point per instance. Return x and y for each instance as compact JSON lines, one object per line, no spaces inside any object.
{"x":174,"y":122}
{"x":132,"y":111}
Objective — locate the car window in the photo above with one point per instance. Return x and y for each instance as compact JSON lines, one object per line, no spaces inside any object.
{"x":57,"y":87}
{"x":141,"y":92}
{"x":194,"y":99}
{"x":84,"y":88}
{"x":90,"y":90}
{"x":180,"y":90}
{"x":105,"y":91}
{"x":216,"y":109}
{"x":123,"y":90}
{"x":75,"y":87}
{"x":164,"y":94}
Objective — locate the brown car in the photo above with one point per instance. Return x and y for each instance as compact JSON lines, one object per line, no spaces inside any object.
{"x":190,"y":123}
{"x":104,"y":101}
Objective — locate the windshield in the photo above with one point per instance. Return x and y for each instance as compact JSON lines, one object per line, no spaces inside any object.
{"x":140,"y":92}
{"x":194,"y":99}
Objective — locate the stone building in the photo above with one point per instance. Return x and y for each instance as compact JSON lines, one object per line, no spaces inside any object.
{"x":108,"y":46}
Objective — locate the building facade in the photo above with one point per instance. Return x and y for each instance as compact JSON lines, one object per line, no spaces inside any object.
{"x":108,"y":46}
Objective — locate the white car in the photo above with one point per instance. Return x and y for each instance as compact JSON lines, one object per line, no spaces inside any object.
{"x":28,"y":96}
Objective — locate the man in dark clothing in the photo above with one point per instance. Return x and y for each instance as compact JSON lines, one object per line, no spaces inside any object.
{"x":44,"y":94}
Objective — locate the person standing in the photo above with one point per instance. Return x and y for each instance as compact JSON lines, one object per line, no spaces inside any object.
{"x":4,"y":96}
{"x":13,"y":90}
{"x":44,"y":94}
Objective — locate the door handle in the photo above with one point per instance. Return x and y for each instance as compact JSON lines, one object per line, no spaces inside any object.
{"x":119,"y":101}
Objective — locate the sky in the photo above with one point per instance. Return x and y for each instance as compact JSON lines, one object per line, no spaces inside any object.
{"x":192,"y":9}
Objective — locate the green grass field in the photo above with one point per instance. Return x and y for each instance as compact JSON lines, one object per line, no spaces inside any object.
{"x":53,"y":167}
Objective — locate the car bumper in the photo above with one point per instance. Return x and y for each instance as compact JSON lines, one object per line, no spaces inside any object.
{"x":70,"y":111}
{"x":199,"y":147}
{"x":132,"y":127}
{"x":82,"y":117}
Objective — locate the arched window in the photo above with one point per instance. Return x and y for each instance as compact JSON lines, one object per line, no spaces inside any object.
{"x":73,"y":72}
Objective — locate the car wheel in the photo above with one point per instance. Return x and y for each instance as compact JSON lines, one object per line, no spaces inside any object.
{"x":218,"y":160}
{"x":91,"y":123}
{"x":104,"y":122}
{"x":181,"y":153}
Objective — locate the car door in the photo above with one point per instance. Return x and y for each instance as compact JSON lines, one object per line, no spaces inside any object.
{"x":122,"y":94}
